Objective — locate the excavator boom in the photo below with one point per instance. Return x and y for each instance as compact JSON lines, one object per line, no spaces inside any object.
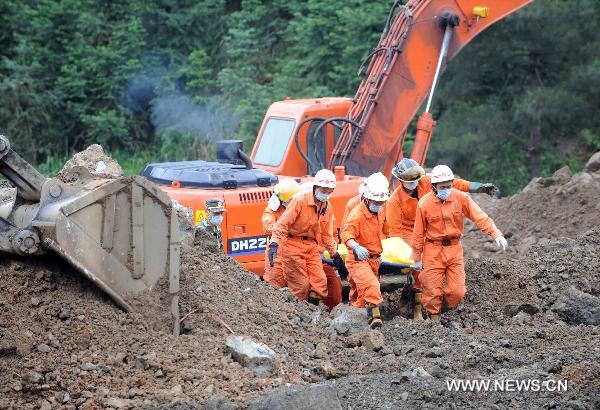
{"x":400,"y":73}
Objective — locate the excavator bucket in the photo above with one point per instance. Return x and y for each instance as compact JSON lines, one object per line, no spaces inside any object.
{"x":120,"y":233}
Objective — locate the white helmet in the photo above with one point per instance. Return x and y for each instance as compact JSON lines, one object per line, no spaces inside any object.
{"x":379,"y":179}
{"x":361,"y":187}
{"x":376,"y":188}
{"x":441,"y":173}
{"x":324,"y":179}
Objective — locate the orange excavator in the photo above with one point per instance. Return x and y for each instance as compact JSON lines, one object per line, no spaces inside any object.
{"x":354,"y":137}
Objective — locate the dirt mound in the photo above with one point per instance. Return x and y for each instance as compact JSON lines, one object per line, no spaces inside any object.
{"x":62,"y":341}
{"x":529,"y":314}
{"x":94,"y":160}
{"x":518,"y":290}
{"x":563,"y":205}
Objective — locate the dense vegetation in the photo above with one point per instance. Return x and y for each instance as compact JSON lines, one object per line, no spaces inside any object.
{"x":157,"y":80}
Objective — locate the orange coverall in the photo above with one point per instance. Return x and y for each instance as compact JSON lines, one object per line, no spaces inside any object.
{"x":436,"y":221}
{"x":334,"y":283}
{"x":350,"y":205}
{"x":305,"y":225}
{"x":368,"y":230}
{"x":401,"y":209}
{"x":273,"y":274}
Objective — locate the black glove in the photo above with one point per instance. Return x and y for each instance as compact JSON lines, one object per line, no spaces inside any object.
{"x":272,"y":253}
{"x":487,"y":188}
{"x":338,"y":261}
{"x":490,"y":189}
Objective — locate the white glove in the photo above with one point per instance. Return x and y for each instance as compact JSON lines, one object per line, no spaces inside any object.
{"x":362,"y":254}
{"x":501,"y":242}
{"x":274,"y":203}
{"x":418,"y":265}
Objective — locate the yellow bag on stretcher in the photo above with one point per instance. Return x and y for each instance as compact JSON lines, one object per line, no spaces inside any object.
{"x":395,"y":250}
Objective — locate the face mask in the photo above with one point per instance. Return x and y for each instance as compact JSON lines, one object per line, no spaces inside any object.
{"x":443,"y":194}
{"x":375,"y":208}
{"x":216,"y":220}
{"x":410,"y":185}
{"x":321,"y":196}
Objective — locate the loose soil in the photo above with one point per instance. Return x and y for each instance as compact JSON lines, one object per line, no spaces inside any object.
{"x":528,"y":314}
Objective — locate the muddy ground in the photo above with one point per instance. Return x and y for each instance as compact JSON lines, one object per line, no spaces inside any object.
{"x":531,"y":313}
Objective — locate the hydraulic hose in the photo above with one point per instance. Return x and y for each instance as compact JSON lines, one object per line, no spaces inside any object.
{"x":297,"y":142}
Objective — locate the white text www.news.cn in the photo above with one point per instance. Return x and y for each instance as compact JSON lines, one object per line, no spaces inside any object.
{"x":506,"y":385}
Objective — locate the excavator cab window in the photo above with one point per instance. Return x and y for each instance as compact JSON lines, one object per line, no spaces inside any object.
{"x":316,"y":146}
{"x":274,"y":141}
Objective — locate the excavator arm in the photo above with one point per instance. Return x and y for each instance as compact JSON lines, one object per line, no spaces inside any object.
{"x":418,"y":40}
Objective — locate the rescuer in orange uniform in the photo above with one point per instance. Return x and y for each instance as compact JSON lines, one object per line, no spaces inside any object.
{"x":402,"y":206}
{"x":357,"y":199}
{"x":306,"y":224}
{"x":436,"y":244}
{"x":363,"y":231}
{"x":283,"y":193}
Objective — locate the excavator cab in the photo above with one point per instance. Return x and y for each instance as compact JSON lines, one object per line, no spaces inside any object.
{"x":288,"y":145}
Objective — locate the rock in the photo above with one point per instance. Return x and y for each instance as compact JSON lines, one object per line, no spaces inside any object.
{"x":320,"y":351}
{"x":45,"y":405}
{"x":36,"y":302}
{"x":521,"y":318}
{"x":317,"y":396}
{"x":94,"y":160}
{"x":434,"y":352}
{"x":510,"y":310}
{"x":404,"y":396}
{"x":373,"y":340}
{"x":349,"y":320}
{"x":582,"y":178}
{"x":437,"y":372}
{"x":133,"y":392}
{"x":64,"y":314}
{"x":353,"y":341}
{"x":327,"y":370}
{"x":32,"y":377}
{"x":218,"y":402}
{"x":89,"y":367}
{"x":256,"y":356}
{"x":44,"y":348}
{"x":64,"y":397}
{"x":116,"y":403}
{"x":593,"y":163}
{"x":176,"y":390}
{"x":103,"y":391}
{"x":422,"y":373}
{"x":386,"y":351}
{"x":577,"y":307}
{"x":561,"y":176}
{"x":505,"y":342}
{"x":190,"y":324}
{"x":405,"y":376}
{"x":118,"y":358}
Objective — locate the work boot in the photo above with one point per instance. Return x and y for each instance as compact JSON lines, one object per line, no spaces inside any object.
{"x":434,"y":316}
{"x":418,"y":312}
{"x":403,"y":306}
{"x":314,"y":298}
{"x":374,"y":316}
{"x":445,"y":307}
